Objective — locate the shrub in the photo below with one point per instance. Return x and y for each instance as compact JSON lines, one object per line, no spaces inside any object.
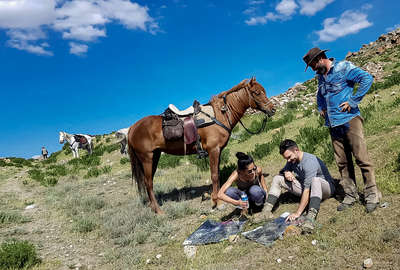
{"x":36,"y":174}
{"x":49,"y":181}
{"x":16,"y":254}
{"x":367,"y":111}
{"x":108,"y":140}
{"x":112,"y":147}
{"x":264,"y":149}
{"x":309,"y":138}
{"x":389,"y":81}
{"x":93,"y":172}
{"x":225,"y":172}
{"x":327,"y":155}
{"x":202,"y":164}
{"x":106,"y":169}
{"x":124,"y":160}
{"x":287,"y":118}
{"x":84,"y":225}
{"x":57,"y":170}
{"x":90,"y":160}
{"x":293,"y":105}
{"x":67,"y":149}
{"x":168,"y":161}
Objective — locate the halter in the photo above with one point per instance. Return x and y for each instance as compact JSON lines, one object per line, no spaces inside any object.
{"x":225,"y":109}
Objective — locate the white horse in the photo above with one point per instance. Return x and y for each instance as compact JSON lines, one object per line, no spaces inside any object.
{"x":76,"y":141}
{"x":122,"y":134}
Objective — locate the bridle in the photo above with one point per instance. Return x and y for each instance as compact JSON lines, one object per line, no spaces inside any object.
{"x":225,"y":109}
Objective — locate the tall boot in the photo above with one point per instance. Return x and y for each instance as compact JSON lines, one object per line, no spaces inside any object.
{"x":309,"y":224}
{"x":265,"y":214}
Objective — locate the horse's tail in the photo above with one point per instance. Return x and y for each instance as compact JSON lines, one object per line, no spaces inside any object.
{"x":137,"y":170}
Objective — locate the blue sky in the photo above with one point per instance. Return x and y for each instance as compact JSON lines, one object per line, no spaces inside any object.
{"x":95,"y":66}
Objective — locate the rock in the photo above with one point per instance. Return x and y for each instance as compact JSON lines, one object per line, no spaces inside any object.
{"x":158,"y":256}
{"x":314,"y":242}
{"x":228,"y":249}
{"x":205,"y":196}
{"x":190,"y":251}
{"x":32,"y":206}
{"x":368,"y":263}
{"x":393,"y":93}
{"x":279,"y":260}
{"x":233,"y":238}
{"x":290,"y":257}
{"x":385,"y":205}
{"x":148,"y":261}
{"x":292,"y":230}
{"x":203,"y":216}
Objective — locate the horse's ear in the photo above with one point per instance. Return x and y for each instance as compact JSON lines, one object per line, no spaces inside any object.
{"x":252,"y":81}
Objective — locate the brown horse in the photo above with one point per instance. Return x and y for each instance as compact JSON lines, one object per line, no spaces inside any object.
{"x":146,"y":140}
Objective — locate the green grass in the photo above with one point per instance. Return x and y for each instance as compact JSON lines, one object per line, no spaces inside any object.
{"x":16,"y":254}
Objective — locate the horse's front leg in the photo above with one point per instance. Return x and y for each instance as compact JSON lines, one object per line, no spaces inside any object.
{"x":214,"y":168}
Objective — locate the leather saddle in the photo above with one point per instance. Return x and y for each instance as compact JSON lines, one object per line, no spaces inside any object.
{"x":80,"y":139}
{"x":177,"y":124}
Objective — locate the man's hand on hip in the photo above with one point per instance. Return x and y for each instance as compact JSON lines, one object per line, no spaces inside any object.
{"x":345,"y":107}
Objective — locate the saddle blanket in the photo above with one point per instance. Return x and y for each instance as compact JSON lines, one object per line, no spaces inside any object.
{"x":203,"y":118}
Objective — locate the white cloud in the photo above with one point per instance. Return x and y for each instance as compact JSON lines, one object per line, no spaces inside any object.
{"x":286,"y":7}
{"x":26,"y":14}
{"x":80,"y":20}
{"x":24,"y":39}
{"x":78,"y":49}
{"x":350,"y":22}
{"x":256,"y":2}
{"x":394,"y":27}
{"x":310,"y":7}
{"x":263,"y":19}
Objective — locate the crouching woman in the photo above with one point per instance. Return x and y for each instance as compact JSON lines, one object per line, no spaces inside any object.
{"x":249,"y":180}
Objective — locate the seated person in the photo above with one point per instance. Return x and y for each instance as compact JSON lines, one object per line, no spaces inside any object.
{"x":304,"y":175}
{"x":249,"y":179}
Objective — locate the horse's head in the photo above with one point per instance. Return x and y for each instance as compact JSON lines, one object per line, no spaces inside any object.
{"x":62,"y":137}
{"x":258,"y":98}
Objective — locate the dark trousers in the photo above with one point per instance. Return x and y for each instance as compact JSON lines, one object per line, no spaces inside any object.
{"x":352,"y":143}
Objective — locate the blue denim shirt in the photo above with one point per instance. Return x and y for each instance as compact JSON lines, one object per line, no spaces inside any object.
{"x":337,"y":87}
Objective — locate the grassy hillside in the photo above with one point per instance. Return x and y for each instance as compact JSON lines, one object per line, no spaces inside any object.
{"x":86,"y":214}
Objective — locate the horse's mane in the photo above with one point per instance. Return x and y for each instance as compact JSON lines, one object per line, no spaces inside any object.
{"x":218,"y":102}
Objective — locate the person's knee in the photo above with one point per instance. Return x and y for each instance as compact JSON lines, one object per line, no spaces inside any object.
{"x":232,"y":193}
{"x":257,"y":194}
{"x":278,"y":180}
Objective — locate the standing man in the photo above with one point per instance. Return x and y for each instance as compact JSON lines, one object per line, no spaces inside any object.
{"x":339,"y":106}
{"x":44,"y":152}
{"x":304,"y":175}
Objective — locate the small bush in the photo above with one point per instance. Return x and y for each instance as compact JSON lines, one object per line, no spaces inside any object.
{"x":202,"y":164}
{"x":287,"y":118}
{"x":90,"y":160}
{"x":57,"y":170}
{"x":84,"y":225}
{"x":327,"y":155}
{"x":49,"y":181}
{"x":67,"y":149}
{"x":108,"y":140}
{"x":93,"y":172}
{"x":225,"y":172}
{"x":124,"y":160}
{"x":168,"y":161}
{"x":309,"y":138}
{"x":36,"y":174}
{"x":293,"y":105}
{"x":389,"y":81}
{"x":106,"y":169}
{"x":16,"y":254}
{"x":112,"y":147}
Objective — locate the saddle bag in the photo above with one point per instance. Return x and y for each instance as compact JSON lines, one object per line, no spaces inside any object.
{"x":172,"y":126}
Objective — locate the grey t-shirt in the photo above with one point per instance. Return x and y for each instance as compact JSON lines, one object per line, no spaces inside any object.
{"x":310,"y":166}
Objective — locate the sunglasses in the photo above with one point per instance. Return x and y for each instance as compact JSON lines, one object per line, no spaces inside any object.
{"x":254,"y":169}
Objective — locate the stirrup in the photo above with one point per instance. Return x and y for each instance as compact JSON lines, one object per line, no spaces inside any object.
{"x":202,"y":154}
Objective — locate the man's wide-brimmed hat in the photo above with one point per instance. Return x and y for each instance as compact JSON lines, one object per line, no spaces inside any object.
{"x":311,"y":54}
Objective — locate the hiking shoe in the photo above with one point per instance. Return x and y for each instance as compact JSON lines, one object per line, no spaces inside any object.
{"x":370,"y":207}
{"x":343,"y":206}
{"x":308,"y":225}
{"x":261,"y":216}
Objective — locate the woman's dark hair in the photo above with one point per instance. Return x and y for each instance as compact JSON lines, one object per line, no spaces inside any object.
{"x":286,"y":144}
{"x":243,"y":160}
